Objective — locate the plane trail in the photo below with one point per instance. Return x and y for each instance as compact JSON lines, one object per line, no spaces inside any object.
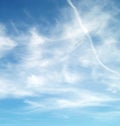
{"x":90,"y":39}
{"x":14,"y":26}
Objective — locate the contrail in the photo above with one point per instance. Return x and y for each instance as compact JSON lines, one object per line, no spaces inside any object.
{"x":14,"y":26}
{"x":28,"y":14}
{"x":90,"y":39}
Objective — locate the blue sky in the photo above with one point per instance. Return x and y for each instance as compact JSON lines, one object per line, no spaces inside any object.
{"x":59,"y":62}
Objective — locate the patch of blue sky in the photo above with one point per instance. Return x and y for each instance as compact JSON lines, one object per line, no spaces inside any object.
{"x":23,"y":14}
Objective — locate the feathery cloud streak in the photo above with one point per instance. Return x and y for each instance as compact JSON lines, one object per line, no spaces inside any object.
{"x":72,"y":67}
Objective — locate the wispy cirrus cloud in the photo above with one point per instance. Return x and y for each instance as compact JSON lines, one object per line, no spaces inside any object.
{"x":75,"y":66}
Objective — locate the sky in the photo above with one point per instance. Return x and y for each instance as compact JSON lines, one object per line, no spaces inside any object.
{"x":59,"y":62}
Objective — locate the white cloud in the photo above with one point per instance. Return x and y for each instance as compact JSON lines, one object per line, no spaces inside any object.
{"x":35,"y":38}
{"x":65,"y":70}
{"x":81,"y":99}
{"x":6,"y":43}
{"x":72,"y":77}
{"x":36,"y":82}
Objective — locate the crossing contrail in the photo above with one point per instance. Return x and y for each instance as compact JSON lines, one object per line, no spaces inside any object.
{"x":90,"y":39}
{"x":14,"y":26}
